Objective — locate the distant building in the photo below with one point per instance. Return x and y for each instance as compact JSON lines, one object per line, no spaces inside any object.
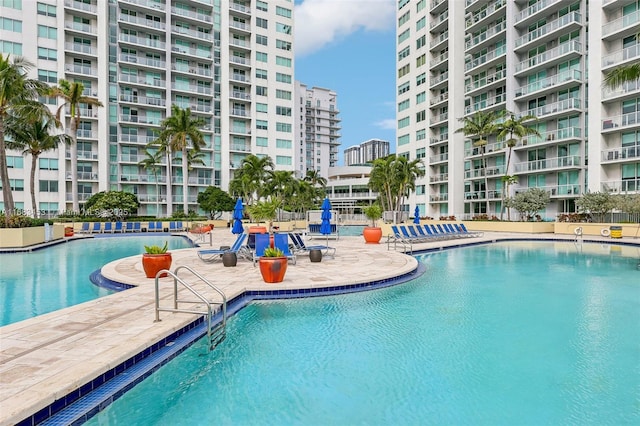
{"x":317,"y":129}
{"x":366,"y":152}
{"x":348,"y":189}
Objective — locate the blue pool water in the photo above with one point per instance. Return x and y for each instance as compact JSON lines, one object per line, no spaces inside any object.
{"x":350,"y":230}
{"x":34,"y":283}
{"x":510,"y":333}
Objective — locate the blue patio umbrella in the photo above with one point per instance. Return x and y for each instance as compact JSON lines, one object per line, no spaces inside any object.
{"x":237,"y":218}
{"x":416,"y":216}
{"x":325,"y":225}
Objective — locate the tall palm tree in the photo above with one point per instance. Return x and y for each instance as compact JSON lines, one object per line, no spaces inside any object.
{"x":179,"y":133}
{"x":318,"y":182}
{"x":151,"y":162}
{"x":34,"y":138}
{"x":623,"y":74}
{"x":479,"y":127}
{"x":74,"y":100}
{"x":408,"y":172}
{"x":514,"y":128}
{"x":280,"y":186}
{"x":18,"y":96}
{"x":254,"y":172}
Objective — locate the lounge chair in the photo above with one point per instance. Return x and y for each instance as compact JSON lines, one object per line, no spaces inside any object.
{"x":175,"y":227}
{"x":262,"y":242}
{"x":281,"y":241}
{"x":300,"y":247}
{"x":407,"y":235}
{"x":426,"y":233}
{"x":95,"y":229}
{"x":450,"y":228}
{"x":85,"y":228}
{"x":211,"y":255}
{"x":471,"y":233}
{"x":129,"y":227}
{"x":137,"y":227}
{"x":151,"y":227}
{"x":398,"y":237}
{"x":108,"y":227}
{"x":445,"y":231}
{"x":118,"y":227}
{"x":440,"y":233}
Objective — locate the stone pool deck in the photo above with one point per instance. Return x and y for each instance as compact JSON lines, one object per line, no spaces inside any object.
{"x":45,"y":358}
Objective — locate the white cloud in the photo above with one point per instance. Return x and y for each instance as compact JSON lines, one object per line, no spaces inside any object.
{"x":386,"y":124}
{"x":320,"y":22}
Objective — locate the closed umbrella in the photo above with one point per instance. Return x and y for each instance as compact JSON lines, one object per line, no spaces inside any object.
{"x":237,"y":218}
{"x":416,"y":216}
{"x":325,"y":226}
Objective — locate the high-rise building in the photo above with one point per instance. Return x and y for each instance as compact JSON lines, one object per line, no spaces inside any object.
{"x":541,"y":58}
{"x":231,"y":62}
{"x":317,"y":129}
{"x":366,"y":152}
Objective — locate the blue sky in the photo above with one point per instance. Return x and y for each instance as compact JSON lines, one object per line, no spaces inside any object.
{"x":349,"y":46}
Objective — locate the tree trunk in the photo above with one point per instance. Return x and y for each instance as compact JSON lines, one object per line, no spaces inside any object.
{"x":7,"y":195}
{"x":169,"y":192}
{"x":486,"y":182}
{"x":185,"y":181}
{"x":74,"y":166}
{"x":34,"y":206}
{"x":155,"y":174}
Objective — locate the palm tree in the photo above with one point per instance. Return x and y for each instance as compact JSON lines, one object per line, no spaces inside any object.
{"x":18,"y":97}
{"x":623,"y":74}
{"x":73,"y":99}
{"x":249,"y":181}
{"x":515,"y":128}
{"x":34,"y":138}
{"x":280,"y":186}
{"x":151,"y":162}
{"x":480,"y":126}
{"x":318,"y":183}
{"x":179,"y":133}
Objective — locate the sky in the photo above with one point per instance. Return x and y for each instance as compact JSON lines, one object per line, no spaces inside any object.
{"x":349,"y":46}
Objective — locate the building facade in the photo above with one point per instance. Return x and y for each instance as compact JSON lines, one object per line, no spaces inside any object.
{"x":541,"y":58}
{"x":366,"y":152}
{"x":317,"y":129}
{"x":231,"y":62}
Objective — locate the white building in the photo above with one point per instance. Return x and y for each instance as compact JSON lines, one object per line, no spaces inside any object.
{"x":541,"y":58}
{"x":317,"y":129}
{"x":366,"y":152}
{"x":348,"y":189}
{"x":231,"y":62}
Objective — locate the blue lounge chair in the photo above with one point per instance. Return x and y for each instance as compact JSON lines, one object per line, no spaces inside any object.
{"x":175,"y":227}
{"x":137,"y":227}
{"x":425,"y":233}
{"x":428,"y":230}
{"x":262,"y":242}
{"x":96,"y":227}
{"x":85,"y":228}
{"x":300,"y":247}
{"x":281,"y":241}
{"x":453,"y":231}
{"x":439,"y":233}
{"x":151,"y":227}
{"x":445,"y":231}
{"x":211,"y":255}
{"x":129,"y":227}
{"x":118,"y":227}
{"x":407,"y":235}
{"x":159,"y":226}
{"x":108,"y":227}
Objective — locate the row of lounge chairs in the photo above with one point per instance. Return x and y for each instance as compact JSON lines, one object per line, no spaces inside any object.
{"x":257,"y":243}
{"x":409,"y":234}
{"x":115,"y":227}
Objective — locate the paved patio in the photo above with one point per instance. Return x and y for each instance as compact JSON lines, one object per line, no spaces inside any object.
{"x":44,"y":358}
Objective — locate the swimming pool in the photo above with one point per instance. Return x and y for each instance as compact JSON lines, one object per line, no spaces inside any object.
{"x":508,"y":333}
{"x":350,"y":230}
{"x":56,"y":277}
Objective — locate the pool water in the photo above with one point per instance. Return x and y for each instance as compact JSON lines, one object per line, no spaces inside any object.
{"x":511,"y":333}
{"x":350,"y":230}
{"x":34,"y":283}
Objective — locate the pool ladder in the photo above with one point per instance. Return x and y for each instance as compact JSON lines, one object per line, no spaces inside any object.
{"x":215,"y":334}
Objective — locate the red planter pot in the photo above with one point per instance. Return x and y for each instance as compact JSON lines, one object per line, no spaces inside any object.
{"x":372,"y":235}
{"x":153,"y":263}
{"x":273,"y":269}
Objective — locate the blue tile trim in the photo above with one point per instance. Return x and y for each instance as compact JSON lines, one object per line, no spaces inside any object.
{"x":100,"y":280}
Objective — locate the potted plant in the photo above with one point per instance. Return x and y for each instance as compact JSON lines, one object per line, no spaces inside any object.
{"x":372,"y":234}
{"x":273,"y":265}
{"x":155,"y":259}
{"x":263,"y":211}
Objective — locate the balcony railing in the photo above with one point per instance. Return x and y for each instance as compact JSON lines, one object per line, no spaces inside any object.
{"x":439,"y":177}
{"x":141,"y":41}
{"x":191,"y":14}
{"x":561,"y":50}
{"x":439,"y":78}
{"x":81,"y":69}
{"x":80,"y":27}
{"x":142,"y":21}
{"x":536,"y":7}
{"x":628,"y":53}
{"x":495,"y":53}
{"x":573,"y":17}
{"x":438,"y":198}
{"x":553,"y":108}
{"x":239,"y":7}
{"x":624,"y":120}
{"x":443,"y":137}
{"x":485,"y":81}
{"x":623,"y":153}
{"x":625,"y":21}
{"x":485,"y":104}
{"x":156,"y":82}
{"x":549,"y":82}
{"x":548,"y":163}
{"x":485,"y":35}
{"x":558,"y":190}
{"x":624,"y":89}
{"x":91,"y":8}
{"x":440,"y":117}
{"x":626,"y":185}
{"x":553,"y":135}
{"x":482,"y":14}
{"x":439,"y":158}
{"x":81,"y":48}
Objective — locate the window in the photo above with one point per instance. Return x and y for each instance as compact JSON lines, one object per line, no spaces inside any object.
{"x":286,"y":111}
{"x":283,"y":28}
{"x":283,"y":127}
{"x":11,"y":47}
{"x":404,"y":53}
{"x":46,"y":9}
{"x":11,"y":25}
{"x":403,"y":140}
{"x":15,"y":184}
{"x":421,"y":23}
{"x":260,"y":5}
{"x":47,"y":76}
{"x":261,"y":57}
{"x":261,"y":39}
{"x":403,"y":88}
{"x":421,"y":97}
{"x":261,"y":73}
{"x":421,"y":152}
{"x":422,"y":78}
{"x":282,"y":11}
{"x":48,"y":186}
{"x":421,"y":41}
{"x":262,"y":141}
{"x":262,"y":23}
{"x":283,"y":160}
{"x":12,"y":4}
{"x":421,"y":135}
{"x":286,"y":62}
{"x":421,"y":60}
{"x":49,"y":208}
{"x":404,"y":71}
{"x":261,"y":91}
{"x":283,"y":78}
{"x":404,"y":35}
{"x":404,"y":19}
{"x":283,"y":143}
{"x":48,"y":163}
{"x":403,"y":122}
{"x":284,"y":45}
{"x":262,"y":125}
{"x":47,"y":32}
{"x":421,"y":4}
{"x":403,"y":105}
{"x":261,"y":107}
{"x":14,"y":162}
{"x":283,"y":94}
{"x":47,"y":54}
{"x":420,"y":116}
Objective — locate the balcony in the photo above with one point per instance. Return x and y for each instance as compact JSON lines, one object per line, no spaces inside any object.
{"x":147,"y":3}
{"x":624,"y":153}
{"x":439,"y":60}
{"x":440,"y":39}
{"x":436,"y":81}
{"x":440,"y":198}
{"x":438,"y":21}
{"x":142,"y":60}
{"x":82,"y":196}
{"x":569,"y":162}
{"x":192,"y":88}
{"x":442,"y":138}
{"x":240,"y":95}
{"x":488,"y":104}
{"x":486,"y":83}
{"x":83,"y":155}
{"x":529,"y":14}
{"x":487,"y":59}
{"x":443,"y":97}
{"x":143,"y":22}
{"x":142,"y":41}
{"x":239,"y":112}
{"x":627,"y":22}
{"x":441,"y":177}
{"x":189,"y":51}
{"x":137,"y":139}
{"x":237,"y":42}
{"x":240,"y":147}
{"x":140,"y":119}
{"x":155,"y":82}
{"x":240,"y":8}
{"x":81,"y":69}
{"x":86,"y":49}
{"x":476,"y":20}
{"x":622,"y":186}
{"x":78,"y":5}
{"x":564,"y":52}
{"x":81,"y":28}
{"x":437,"y":5}
{"x":488,"y":149}
{"x":83,"y":176}
{"x":484,"y":37}
{"x":87,"y":134}
{"x":240,"y":77}
{"x":200,"y":35}
{"x":626,"y":90}
{"x":554,"y":108}
{"x":191,"y":14}
{"x":440,"y":158}
{"x":621,"y":122}
{"x":205,"y":72}
{"x":555,"y":83}
{"x":549,"y":31}
{"x":135,"y":99}
{"x":240,"y":60}
{"x":620,"y":57}
{"x":243,"y":26}
{"x":439,"y":118}
{"x":553,"y":136}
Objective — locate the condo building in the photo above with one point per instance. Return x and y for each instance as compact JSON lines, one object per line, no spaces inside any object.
{"x":317,"y":129}
{"x":543,"y":58}
{"x":230,"y":62}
